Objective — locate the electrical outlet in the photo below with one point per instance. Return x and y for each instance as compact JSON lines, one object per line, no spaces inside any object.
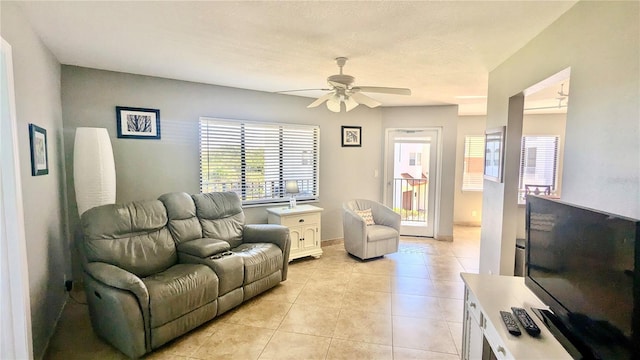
{"x":68,"y":285}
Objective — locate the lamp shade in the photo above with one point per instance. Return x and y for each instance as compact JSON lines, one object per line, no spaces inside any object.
{"x":291,"y":187}
{"x":94,"y":171}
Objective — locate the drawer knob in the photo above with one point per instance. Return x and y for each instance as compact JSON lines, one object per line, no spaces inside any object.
{"x":301,"y":220}
{"x":502,"y":350}
{"x":472,"y":304}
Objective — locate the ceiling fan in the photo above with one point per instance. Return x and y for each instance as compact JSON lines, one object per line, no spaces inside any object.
{"x":342,"y":91}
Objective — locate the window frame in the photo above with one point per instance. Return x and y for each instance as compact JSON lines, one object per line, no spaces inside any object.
{"x":526,"y":158}
{"x":282,"y":138}
{"x":479,"y":141}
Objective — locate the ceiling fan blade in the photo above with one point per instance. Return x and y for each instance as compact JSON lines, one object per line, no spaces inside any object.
{"x":350,"y":103}
{"x":333,"y":104}
{"x":383,"y":90}
{"x":298,"y":90}
{"x":365,"y":100}
{"x":321,"y":99}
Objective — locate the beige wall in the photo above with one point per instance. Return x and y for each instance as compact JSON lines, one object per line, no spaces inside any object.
{"x":467,"y":208}
{"x":37,"y":94}
{"x":599,"y":41}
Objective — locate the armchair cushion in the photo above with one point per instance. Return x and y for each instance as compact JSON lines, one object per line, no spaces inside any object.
{"x":366,"y":215}
{"x":179,"y":290}
{"x":380,"y":232}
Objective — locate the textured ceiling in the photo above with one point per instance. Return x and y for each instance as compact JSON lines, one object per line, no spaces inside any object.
{"x":441,"y":50}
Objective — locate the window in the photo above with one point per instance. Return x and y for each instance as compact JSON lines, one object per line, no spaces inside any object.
{"x":415,"y":159}
{"x":256,"y":159}
{"x":538,"y":162}
{"x":473,"y":166}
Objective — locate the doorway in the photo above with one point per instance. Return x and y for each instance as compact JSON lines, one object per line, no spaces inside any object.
{"x":411,"y":157}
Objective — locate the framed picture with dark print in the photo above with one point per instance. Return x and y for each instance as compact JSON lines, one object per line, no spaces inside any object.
{"x":494,"y":154}
{"x":138,"y":123}
{"x":351,"y":136}
{"x":39,"y":153}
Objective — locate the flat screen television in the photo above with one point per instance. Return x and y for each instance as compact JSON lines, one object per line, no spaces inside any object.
{"x":585,"y":265}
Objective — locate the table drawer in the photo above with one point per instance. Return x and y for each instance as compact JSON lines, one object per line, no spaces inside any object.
{"x":494,"y":340}
{"x":301,"y":219}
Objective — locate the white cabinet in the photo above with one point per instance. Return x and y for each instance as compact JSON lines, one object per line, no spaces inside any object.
{"x":303,"y":222}
{"x":484,"y":335}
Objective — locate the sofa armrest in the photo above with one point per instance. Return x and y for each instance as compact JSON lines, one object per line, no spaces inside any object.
{"x":267,"y":233}
{"x":204,"y":247}
{"x":120,"y":279}
{"x":270,"y":233}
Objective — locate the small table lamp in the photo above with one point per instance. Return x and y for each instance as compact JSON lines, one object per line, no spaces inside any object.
{"x":291,"y":188}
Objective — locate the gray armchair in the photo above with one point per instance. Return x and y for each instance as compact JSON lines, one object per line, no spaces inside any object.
{"x":369,"y":241}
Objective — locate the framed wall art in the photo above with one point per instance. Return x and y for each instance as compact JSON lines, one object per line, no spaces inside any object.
{"x":494,"y":154}
{"x":39,"y":154}
{"x":138,"y":123}
{"x":351,"y":136}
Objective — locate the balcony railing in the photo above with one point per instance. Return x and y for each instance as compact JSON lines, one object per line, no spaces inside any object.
{"x":257,"y":191}
{"x":410,"y":198}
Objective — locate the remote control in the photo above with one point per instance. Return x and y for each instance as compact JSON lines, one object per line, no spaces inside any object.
{"x":527,"y":322}
{"x":510,"y":323}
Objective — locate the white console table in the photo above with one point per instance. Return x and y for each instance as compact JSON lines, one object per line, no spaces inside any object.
{"x":485,"y":297}
{"x":303,"y":222}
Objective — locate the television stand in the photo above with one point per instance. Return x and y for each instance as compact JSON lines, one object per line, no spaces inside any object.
{"x":487,"y":295}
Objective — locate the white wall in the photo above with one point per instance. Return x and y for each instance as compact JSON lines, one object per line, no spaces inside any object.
{"x":37,"y":91}
{"x":445,"y":117}
{"x":599,"y":41}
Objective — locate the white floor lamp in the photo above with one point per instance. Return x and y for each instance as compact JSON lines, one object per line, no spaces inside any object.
{"x":94,"y":171}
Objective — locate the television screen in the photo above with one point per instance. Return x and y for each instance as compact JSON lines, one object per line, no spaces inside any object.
{"x":581,"y":263}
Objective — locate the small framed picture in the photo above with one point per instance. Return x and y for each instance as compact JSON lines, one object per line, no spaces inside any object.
{"x":39,"y":154}
{"x":351,"y":136}
{"x":494,"y":154}
{"x":138,"y":123}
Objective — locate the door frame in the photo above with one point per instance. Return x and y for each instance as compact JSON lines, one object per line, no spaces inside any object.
{"x":438,"y":183}
{"x":16,"y":318}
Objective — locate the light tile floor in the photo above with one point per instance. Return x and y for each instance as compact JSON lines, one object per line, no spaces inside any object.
{"x":406,"y":305}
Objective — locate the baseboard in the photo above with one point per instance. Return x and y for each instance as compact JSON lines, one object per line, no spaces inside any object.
{"x":446,"y":238}
{"x":330,"y":242}
{"x":468,"y":223}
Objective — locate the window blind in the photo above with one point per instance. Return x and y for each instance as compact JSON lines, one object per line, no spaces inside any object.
{"x":473,"y":165}
{"x":538,"y":162}
{"x":256,"y":159}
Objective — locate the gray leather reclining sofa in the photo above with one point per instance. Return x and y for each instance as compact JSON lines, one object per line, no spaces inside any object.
{"x":154,"y":270}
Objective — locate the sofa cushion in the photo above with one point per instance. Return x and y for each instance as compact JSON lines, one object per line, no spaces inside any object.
{"x":260,"y":260}
{"x":179,"y":290}
{"x":221,"y":216}
{"x":131,"y":236}
{"x":380,"y":232}
{"x":181,"y":211}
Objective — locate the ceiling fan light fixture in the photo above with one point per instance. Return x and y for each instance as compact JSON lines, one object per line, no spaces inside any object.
{"x":333,"y":103}
{"x":350,"y":103}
